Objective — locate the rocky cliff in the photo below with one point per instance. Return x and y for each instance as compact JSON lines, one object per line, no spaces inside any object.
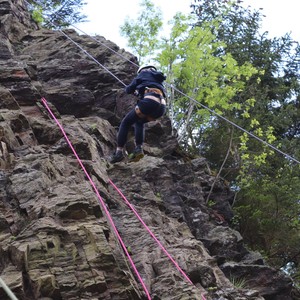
{"x":56,"y":242}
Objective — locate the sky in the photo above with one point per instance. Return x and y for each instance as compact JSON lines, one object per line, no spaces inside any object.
{"x":106,"y":17}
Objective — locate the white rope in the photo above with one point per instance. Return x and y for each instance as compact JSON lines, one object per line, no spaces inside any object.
{"x":7,"y":290}
{"x":207,"y":108}
{"x":192,"y":99}
{"x":239,"y":127}
{"x":92,"y":57}
{"x":103,"y":44}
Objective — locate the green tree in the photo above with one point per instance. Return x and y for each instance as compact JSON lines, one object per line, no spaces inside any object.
{"x":269,"y":216}
{"x":199,"y":66}
{"x":170,"y":53}
{"x":142,"y":33}
{"x":268,"y":200}
{"x":222,"y":61}
{"x":57,"y":13}
{"x":275,"y":88}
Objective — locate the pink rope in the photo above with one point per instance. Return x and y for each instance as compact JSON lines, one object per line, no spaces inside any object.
{"x":153,"y":236}
{"x":99,"y":197}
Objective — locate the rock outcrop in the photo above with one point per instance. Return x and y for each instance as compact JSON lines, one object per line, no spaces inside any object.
{"x":56,"y":242}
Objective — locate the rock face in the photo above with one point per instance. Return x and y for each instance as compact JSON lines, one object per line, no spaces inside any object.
{"x":56,"y":242}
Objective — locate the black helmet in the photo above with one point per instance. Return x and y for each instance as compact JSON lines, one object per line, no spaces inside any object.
{"x":145,"y":67}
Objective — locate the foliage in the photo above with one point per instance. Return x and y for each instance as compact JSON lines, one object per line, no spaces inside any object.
{"x":209,"y":76}
{"x":239,"y":283}
{"x":202,"y":73}
{"x":142,"y":33}
{"x":276,"y":86}
{"x":56,"y":13}
{"x":268,"y":197}
{"x":220,"y":70}
{"x":270,"y":215}
{"x":37,"y":15}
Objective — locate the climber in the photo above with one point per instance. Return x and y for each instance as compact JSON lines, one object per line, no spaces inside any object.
{"x":148,"y":86}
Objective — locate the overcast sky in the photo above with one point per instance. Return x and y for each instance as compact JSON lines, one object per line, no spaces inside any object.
{"x":106,"y":17}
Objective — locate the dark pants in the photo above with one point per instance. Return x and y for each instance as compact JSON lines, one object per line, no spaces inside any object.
{"x":149,"y":108}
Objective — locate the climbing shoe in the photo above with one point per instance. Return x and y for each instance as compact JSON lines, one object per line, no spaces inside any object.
{"x":116,"y":157}
{"x":136,"y":155}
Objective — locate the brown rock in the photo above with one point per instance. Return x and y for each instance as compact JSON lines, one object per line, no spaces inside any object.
{"x":56,"y":241}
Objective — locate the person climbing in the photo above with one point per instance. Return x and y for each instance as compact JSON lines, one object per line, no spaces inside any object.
{"x":148,"y":86}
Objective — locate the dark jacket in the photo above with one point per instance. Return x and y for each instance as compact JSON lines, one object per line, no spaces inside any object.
{"x":147,"y":78}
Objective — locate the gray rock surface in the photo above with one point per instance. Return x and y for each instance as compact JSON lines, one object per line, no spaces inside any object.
{"x":55,"y":240}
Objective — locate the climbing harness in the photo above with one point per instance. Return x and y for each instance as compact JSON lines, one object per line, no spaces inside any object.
{"x":44,"y":101}
{"x":177,"y":90}
{"x":205,"y":107}
{"x":154,"y":94}
{"x":124,"y":198}
{"x":153,"y":90}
